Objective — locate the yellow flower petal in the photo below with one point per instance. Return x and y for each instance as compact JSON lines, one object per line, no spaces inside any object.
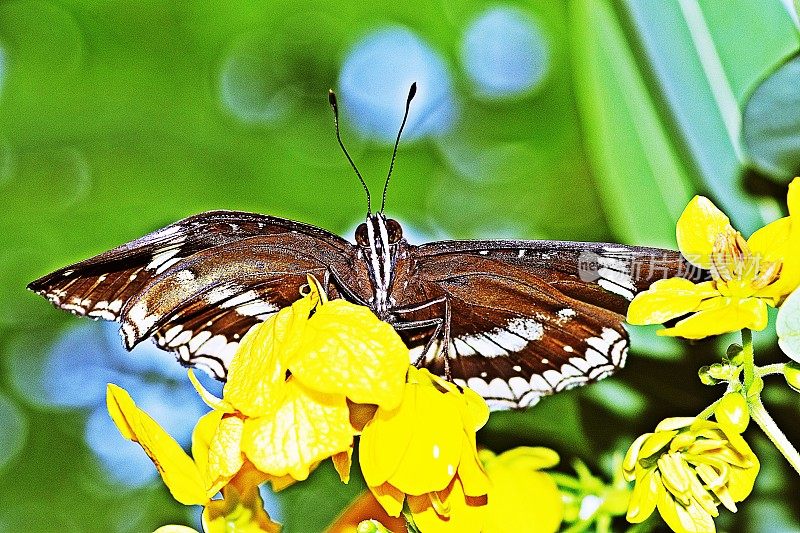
{"x":389,"y":497}
{"x":465,"y":514}
{"x":793,"y":197}
{"x":524,"y":458}
{"x":780,"y":240}
{"x":256,"y":375}
{"x":631,"y":459}
{"x":691,"y":519}
{"x":209,"y":399}
{"x":428,"y":461}
{"x":470,"y":469}
{"x":342,"y":462}
{"x":177,"y":469}
{"x":697,"y":230}
{"x":667,"y":299}
{"x":346,"y":349}
{"x":225,"y":456}
{"x":476,"y":411}
{"x":305,"y":429}
{"x":431,"y":459}
{"x":644,"y":496}
{"x":515,"y":483}
{"x":766,"y":243}
{"x":175,"y":529}
{"x":727,"y":314}
{"x":202,"y":436}
{"x":385,"y":439}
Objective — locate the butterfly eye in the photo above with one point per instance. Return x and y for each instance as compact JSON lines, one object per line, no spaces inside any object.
{"x":394,"y":230}
{"x":362,"y":237}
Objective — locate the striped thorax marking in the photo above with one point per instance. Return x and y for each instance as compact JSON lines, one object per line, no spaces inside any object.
{"x":380,"y":262}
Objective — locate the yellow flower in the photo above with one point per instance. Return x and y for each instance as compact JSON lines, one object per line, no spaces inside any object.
{"x":517,"y":480}
{"x":424,"y":450}
{"x":284,"y":408}
{"x":747,"y":275}
{"x":686,"y":468}
{"x":331,"y":352}
{"x":188,"y":479}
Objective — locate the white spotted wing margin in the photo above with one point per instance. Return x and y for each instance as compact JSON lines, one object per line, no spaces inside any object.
{"x":198,"y":285}
{"x":526,"y":321}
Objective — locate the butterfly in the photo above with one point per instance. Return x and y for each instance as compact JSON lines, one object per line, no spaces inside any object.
{"x":514,"y":320}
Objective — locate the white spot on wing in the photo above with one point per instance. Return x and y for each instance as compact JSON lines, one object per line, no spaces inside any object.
{"x":595,"y":358}
{"x":566,"y":313}
{"x":218,"y":294}
{"x":168,"y":263}
{"x":479,"y":386}
{"x":552,"y":376}
{"x":484,"y":346}
{"x":198,"y":340}
{"x":172,"y":332}
{"x":162,"y":257}
{"x":539,"y":384}
{"x":527,"y":328}
{"x":498,"y":388}
{"x":141,"y":320}
{"x":256,"y":308}
{"x":616,"y":289}
{"x":519,"y":386}
{"x":185,"y":276}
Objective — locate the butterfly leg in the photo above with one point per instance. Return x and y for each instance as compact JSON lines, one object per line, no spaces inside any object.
{"x":333,"y":275}
{"x":422,"y":324}
{"x":442,"y":326}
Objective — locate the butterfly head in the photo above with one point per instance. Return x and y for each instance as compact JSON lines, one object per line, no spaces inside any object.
{"x":379,"y":239}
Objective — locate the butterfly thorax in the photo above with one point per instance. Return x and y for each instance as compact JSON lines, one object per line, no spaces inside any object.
{"x":380,"y":240}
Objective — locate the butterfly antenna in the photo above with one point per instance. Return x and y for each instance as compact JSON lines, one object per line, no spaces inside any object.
{"x":411,"y":92}
{"x":332,"y":101}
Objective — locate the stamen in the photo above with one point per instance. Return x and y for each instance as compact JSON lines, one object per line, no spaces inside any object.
{"x":769,"y":273}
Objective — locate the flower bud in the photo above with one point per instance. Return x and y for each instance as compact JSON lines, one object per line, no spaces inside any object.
{"x":732,"y":412}
{"x":791,"y":372}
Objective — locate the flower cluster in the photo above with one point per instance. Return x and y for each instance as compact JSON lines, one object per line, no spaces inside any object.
{"x":686,"y":468}
{"x":292,"y":389}
{"x":689,"y":466}
{"x":747,"y":275}
{"x":301,"y":386}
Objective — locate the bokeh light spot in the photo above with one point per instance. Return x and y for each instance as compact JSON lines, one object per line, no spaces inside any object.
{"x":13,"y":430}
{"x":123,"y":460}
{"x":504,"y":53}
{"x":375,"y":79}
{"x":251,"y":86}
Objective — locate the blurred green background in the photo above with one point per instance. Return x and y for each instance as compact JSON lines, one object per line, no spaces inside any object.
{"x":572,"y":120}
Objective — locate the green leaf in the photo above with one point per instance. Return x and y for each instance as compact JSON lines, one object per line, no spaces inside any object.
{"x":659,"y":122}
{"x":632,"y":154}
{"x":772,"y":123}
{"x":788,"y":326}
{"x":556,"y":420}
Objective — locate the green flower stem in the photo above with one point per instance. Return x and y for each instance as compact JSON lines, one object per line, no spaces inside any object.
{"x":766,"y":370}
{"x":771,"y":429}
{"x":708,"y":411}
{"x":565,"y":481}
{"x":748,"y":358}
